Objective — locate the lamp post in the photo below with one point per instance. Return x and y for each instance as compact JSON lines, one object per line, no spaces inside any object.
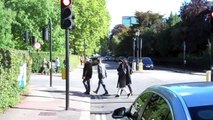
{"x":184,"y":54}
{"x":141,"y":45}
{"x":137,"y":34}
{"x":133,"y":55}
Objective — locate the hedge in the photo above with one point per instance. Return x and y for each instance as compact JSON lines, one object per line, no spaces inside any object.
{"x":10,"y":64}
{"x":38,"y":57}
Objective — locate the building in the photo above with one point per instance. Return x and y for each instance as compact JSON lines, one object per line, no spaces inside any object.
{"x":129,"y":20}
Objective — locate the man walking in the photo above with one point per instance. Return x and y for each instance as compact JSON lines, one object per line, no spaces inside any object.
{"x":87,"y":75}
{"x":101,"y":75}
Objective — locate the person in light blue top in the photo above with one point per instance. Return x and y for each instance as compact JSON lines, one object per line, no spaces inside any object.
{"x":57,"y":65}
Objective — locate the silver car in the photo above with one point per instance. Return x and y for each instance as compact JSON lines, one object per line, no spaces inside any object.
{"x":180,"y":101}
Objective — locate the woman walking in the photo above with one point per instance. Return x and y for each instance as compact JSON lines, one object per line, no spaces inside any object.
{"x":121,"y":85}
{"x":128,"y":76}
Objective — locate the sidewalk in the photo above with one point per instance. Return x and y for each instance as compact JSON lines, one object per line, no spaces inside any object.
{"x":48,"y":103}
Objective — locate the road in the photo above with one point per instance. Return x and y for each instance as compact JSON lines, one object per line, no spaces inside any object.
{"x":101,"y":106}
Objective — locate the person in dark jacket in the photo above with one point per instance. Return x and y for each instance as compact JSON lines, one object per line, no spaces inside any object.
{"x":87,"y":75}
{"x":102,"y":74}
{"x":128,"y":76}
{"x":121,"y":85}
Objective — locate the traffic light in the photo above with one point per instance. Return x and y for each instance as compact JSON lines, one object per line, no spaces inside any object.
{"x":25,"y":36}
{"x":45,"y":33}
{"x":67,"y":15}
{"x":32,"y":41}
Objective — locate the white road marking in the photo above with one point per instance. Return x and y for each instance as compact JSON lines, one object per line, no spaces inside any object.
{"x":103,"y":116}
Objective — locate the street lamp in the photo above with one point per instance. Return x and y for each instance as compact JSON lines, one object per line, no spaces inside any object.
{"x":133,"y":55}
{"x":184,"y":54}
{"x":137,"y":34}
{"x":133,"y":47}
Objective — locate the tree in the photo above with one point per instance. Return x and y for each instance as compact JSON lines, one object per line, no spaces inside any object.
{"x":92,"y":23}
{"x":6,"y":16}
{"x":195,"y":28}
{"x":173,"y":19}
{"x":150,"y":25}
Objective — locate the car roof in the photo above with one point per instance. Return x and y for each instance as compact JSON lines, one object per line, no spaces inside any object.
{"x":193,"y":93}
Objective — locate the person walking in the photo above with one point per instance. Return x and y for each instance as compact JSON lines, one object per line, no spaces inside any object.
{"x":57,"y":65}
{"x":81,"y":60}
{"x":128,"y":76}
{"x":102,"y":74}
{"x":87,"y":75}
{"x":43,"y":68}
{"x":121,"y":85}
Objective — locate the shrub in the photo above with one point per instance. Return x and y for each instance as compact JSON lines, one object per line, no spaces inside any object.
{"x":10,"y":62}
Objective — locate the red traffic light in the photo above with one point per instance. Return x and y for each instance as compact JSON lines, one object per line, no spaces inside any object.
{"x":66,"y":2}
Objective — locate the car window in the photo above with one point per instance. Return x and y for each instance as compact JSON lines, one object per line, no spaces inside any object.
{"x":138,"y":104}
{"x":201,"y":112}
{"x":157,"y":109}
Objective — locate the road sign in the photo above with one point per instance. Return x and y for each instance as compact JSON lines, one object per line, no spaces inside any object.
{"x":37,"y":45}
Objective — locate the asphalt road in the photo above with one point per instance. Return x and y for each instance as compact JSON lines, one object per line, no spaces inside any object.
{"x":103,"y":106}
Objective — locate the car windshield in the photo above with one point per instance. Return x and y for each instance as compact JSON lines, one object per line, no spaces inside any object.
{"x":201,"y":112}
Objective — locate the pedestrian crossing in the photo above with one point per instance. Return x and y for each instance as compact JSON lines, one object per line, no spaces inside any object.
{"x":103,"y":106}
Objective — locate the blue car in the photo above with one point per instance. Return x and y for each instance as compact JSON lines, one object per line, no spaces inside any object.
{"x":179,"y":101}
{"x":147,"y":63}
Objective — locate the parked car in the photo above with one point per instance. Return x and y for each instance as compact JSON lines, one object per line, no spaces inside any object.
{"x":179,"y":101}
{"x":147,"y":63}
{"x":131,"y":60}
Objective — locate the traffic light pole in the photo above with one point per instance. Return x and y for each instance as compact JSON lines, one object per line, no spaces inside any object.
{"x":51,"y":70}
{"x":84,"y":50}
{"x":211,"y":57}
{"x":67,"y":68}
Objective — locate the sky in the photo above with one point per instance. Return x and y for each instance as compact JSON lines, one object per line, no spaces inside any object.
{"x":119,"y":8}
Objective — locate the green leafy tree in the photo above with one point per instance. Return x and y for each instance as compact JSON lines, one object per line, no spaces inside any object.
{"x":92,"y":23}
{"x":150,"y":25}
{"x":6,"y":16}
{"x":32,"y":16}
{"x":167,"y":43}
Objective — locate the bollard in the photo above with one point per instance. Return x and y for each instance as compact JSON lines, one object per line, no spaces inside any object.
{"x":208,"y":77}
{"x":140,"y":66}
{"x":133,"y":66}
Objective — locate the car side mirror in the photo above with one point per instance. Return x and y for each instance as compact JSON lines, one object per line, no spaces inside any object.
{"x":119,"y":113}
